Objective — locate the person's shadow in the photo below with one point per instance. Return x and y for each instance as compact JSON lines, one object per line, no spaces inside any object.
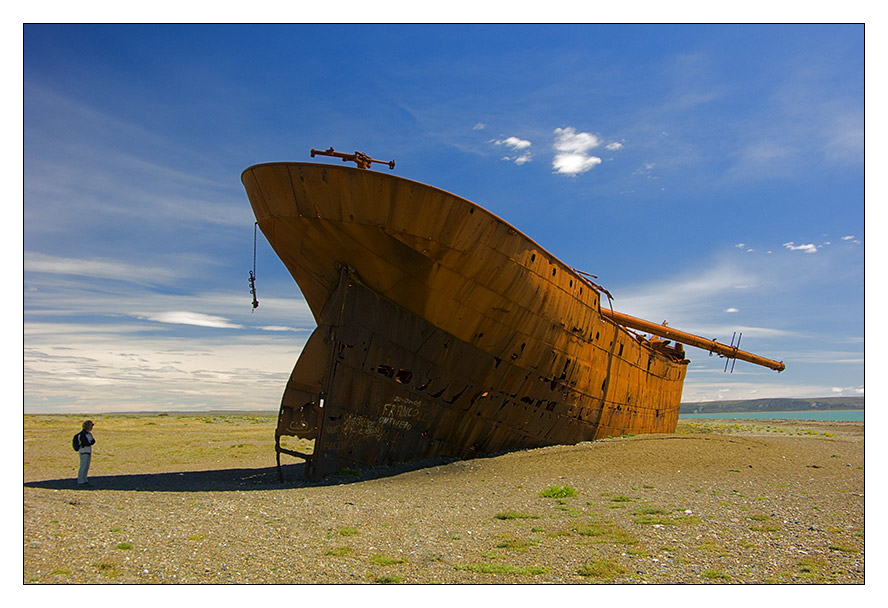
{"x":227,"y":480}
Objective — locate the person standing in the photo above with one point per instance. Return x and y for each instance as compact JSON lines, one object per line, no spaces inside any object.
{"x":86,"y":442}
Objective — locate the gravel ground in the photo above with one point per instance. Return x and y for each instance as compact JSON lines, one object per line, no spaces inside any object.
{"x":718,"y":502}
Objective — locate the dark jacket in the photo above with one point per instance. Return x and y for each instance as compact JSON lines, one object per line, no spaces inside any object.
{"x":85,"y":439}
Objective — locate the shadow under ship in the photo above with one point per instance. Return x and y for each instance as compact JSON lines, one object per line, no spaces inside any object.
{"x":443,"y":331}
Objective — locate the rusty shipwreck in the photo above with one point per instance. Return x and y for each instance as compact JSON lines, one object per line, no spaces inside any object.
{"x":445,"y":332}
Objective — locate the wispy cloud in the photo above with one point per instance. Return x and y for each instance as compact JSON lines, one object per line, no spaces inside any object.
{"x":846,"y":390}
{"x":684,"y":297}
{"x":98,"y":268}
{"x":806,"y":247}
{"x":520,"y":146}
{"x":183,"y":317}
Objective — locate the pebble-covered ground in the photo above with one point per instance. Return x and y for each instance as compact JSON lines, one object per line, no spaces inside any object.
{"x":196,"y":499}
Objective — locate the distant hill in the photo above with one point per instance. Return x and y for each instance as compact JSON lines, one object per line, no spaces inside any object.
{"x":773,"y":405}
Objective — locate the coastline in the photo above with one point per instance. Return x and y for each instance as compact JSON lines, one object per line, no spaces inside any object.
{"x":820,"y":415}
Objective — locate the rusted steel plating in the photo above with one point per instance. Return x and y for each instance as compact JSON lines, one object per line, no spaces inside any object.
{"x":362,"y":160}
{"x":732,"y":352}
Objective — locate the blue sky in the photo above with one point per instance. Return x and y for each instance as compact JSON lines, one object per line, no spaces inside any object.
{"x":711,"y":176}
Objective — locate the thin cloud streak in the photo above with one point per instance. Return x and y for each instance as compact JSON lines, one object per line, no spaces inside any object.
{"x":183,"y":317}
{"x":97,"y":268}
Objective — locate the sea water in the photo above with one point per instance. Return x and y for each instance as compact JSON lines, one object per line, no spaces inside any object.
{"x":839,"y":415}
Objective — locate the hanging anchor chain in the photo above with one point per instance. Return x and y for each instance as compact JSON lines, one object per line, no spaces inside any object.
{"x":253,"y":272}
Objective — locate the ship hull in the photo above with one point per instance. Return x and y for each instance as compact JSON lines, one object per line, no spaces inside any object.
{"x":442,"y":330}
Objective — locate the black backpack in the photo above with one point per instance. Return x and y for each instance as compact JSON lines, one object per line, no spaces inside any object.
{"x":76,"y":442}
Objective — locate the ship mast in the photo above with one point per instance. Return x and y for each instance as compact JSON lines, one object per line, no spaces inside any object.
{"x":663,"y":331}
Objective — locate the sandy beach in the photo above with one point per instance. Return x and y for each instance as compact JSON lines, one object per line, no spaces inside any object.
{"x":196,"y":499}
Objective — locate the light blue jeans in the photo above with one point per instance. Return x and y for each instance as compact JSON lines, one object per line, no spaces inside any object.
{"x":84,"y":468}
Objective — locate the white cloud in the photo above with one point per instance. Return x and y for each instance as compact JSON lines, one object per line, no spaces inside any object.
{"x":514,"y":142}
{"x":479,"y":127}
{"x":182,"y":317}
{"x":614,"y":145}
{"x":280,"y":328}
{"x":101,"y":268}
{"x":845,"y":390}
{"x":806,"y":247}
{"x":518,"y":145}
{"x":572,"y":149}
{"x":732,"y":309}
{"x":574,"y":164}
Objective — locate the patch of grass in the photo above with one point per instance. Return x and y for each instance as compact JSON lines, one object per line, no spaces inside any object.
{"x":593,"y":529}
{"x":348,"y":531}
{"x":502,"y":569}
{"x":811,"y":568}
{"x":61,"y":572}
{"x":571,"y":511}
{"x":339,"y":551}
{"x":604,"y":533}
{"x":621,"y":498}
{"x":516,"y":544}
{"x":759,"y":517}
{"x":558,"y":492}
{"x":107,"y":568}
{"x":619,"y":536}
{"x":715,"y":575}
{"x":712,"y":547}
{"x":124,"y":546}
{"x":515,"y":515}
{"x":647,"y":510}
{"x":197,"y":537}
{"x":605,"y":569}
{"x":388,"y":579}
{"x":659,"y":520}
{"x":381,"y":559}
